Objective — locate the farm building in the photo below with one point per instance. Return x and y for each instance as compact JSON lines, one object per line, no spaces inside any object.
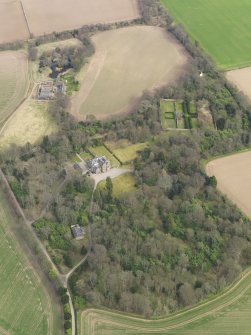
{"x":47,"y":90}
{"x":98,"y":165}
{"x":77,"y":232}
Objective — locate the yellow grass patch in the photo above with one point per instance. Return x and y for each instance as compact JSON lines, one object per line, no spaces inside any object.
{"x":125,"y":151}
{"x":29,"y":124}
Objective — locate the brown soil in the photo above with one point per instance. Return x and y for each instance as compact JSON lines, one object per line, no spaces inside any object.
{"x":46,"y":16}
{"x":13,"y":24}
{"x":242,"y":79}
{"x":233,"y":174}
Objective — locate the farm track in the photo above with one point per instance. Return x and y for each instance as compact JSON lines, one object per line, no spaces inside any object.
{"x":92,"y":318}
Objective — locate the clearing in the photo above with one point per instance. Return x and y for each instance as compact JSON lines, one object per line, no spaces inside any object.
{"x":124,"y":183}
{"x":13,"y":24}
{"x":30,"y":123}
{"x":117,"y":74}
{"x":233,"y":175}
{"x":45,"y":16}
{"x":125,"y":151}
{"x":25,"y":306}
{"x":14,"y":82}
{"x":228,"y":313}
{"x":242,"y":79}
{"x":222,"y":28}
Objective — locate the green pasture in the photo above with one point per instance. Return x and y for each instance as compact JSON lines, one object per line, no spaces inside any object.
{"x":102,"y":151}
{"x":228,"y":313}
{"x":126,"y":151}
{"x":221,"y":27}
{"x":25,"y":307}
{"x":122,"y":184}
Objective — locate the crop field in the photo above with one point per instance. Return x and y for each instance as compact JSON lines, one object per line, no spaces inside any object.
{"x":117,"y":74}
{"x":122,"y":184}
{"x":126,"y":151}
{"x":13,"y":25}
{"x":102,"y":151}
{"x":228,"y":313}
{"x":242,"y":79}
{"x":25,"y":307}
{"x":222,"y":28}
{"x":178,"y":114}
{"x":234,"y":179}
{"x":45,"y":16}
{"x":29,"y":124}
{"x":14,"y":82}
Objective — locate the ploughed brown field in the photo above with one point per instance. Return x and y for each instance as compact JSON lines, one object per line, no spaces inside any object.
{"x":47,"y":16}
{"x":13,"y":25}
{"x":233,"y":174}
{"x":242,"y":79}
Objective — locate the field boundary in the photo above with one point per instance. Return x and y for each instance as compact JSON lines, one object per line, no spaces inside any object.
{"x":25,"y":17}
{"x":128,"y":317}
{"x":25,"y":242}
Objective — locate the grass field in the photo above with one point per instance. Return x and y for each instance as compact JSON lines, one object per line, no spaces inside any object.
{"x":122,"y":184}
{"x":125,"y":151}
{"x":233,"y":176}
{"x":102,"y":151}
{"x":117,"y":74}
{"x":228,"y":313}
{"x":29,"y":124}
{"x":14,"y":81}
{"x":25,"y":307}
{"x":222,"y":28}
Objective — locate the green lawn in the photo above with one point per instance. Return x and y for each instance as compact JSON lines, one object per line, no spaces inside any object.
{"x":167,"y":106}
{"x":85,"y":156}
{"x":122,"y":184}
{"x":228,"y":313}
{"x":25,"y":306}
{"x":222,"y":28}
{"x":125,"y":151}
{"x":102,"y":151}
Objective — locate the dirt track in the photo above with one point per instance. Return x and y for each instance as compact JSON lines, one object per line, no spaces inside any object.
{"x":242,"y":79}
{"x":233,"y":174}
